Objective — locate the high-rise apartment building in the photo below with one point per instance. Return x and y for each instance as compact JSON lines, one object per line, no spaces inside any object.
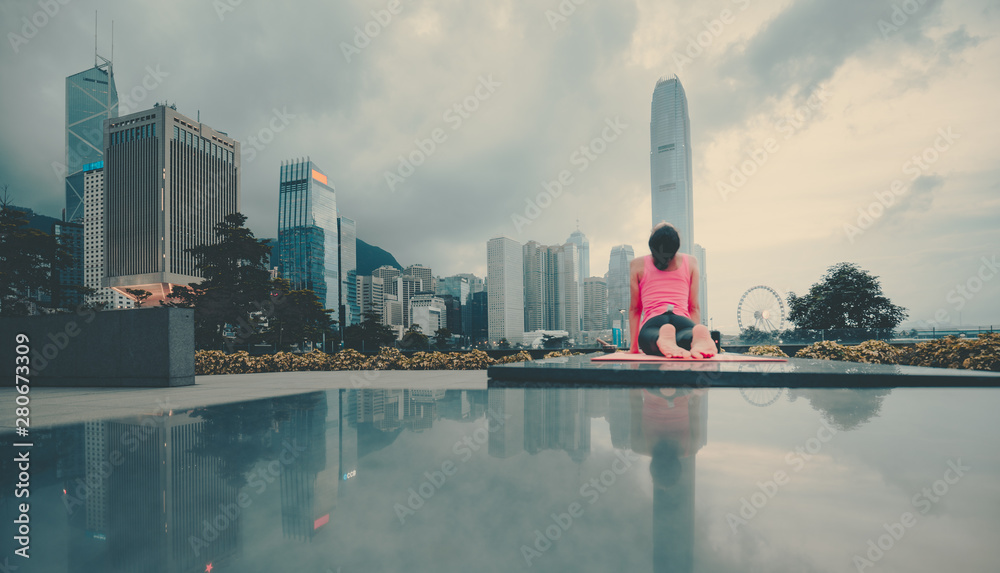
{"x":595,"y":304}
{"x":552,"y":288}
{"x":505,"y":290}
{"x":308,"y":234}
{"x":350,"y":312}
{"x":406,"y":287}
{"x":168,"y":180}
{"x":92,"y":176}
{"x":536,"y":295}
{"x":670,"y":160}
{"x":91,"y":98}
{"x":618,"y":284}
{"x":371,"y":296}
{"x":388,"y":274}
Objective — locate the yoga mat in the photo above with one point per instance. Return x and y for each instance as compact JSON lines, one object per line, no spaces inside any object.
{"x":725,"y":357}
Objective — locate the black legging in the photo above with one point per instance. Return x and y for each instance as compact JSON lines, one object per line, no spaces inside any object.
{"x":650,"y":332}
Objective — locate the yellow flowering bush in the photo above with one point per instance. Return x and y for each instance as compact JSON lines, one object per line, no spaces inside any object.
{"x":982,"y":353}
{"x":827,"y":350}
{"x":766,"y":350}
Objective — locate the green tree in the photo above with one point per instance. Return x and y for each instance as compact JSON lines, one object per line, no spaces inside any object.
{"x":503,"y":343}
{"x":138,"y":295}
{"x":236,"y":286}
{"x":753,"y":335}
{"x":28,"y":259}
{"x":847,"y":298}
{"x":442,"y":337}
{"x":370,"y":334}
{"x":297,"y":316}
{"x":414,"y":339}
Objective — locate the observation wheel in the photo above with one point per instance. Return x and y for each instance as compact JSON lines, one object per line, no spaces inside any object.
{"x":762,"y":308}
{"x":761,"y":397}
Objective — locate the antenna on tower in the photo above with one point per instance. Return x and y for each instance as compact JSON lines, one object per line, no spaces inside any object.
{"x":95,"y":38}
{"x":112,"y":43}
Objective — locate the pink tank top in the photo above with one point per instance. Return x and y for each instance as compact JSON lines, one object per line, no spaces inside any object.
{"x":660,"y":289}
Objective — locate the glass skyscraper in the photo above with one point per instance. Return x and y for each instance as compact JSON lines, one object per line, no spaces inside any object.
{"x":670,"y":160}
{"x":308,"y":234}
{"x":91,"y":98}
{"x":350,"y":309}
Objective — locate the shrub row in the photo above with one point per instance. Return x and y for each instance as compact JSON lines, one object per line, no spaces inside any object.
{"x":982,"y":353}
{"x":218,"y":362}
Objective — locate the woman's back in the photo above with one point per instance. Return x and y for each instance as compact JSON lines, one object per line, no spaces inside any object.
{"x":660,"y":289}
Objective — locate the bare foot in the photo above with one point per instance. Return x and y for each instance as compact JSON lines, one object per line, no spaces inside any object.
{"x":667,"y":343}
{"x":702,"y":345}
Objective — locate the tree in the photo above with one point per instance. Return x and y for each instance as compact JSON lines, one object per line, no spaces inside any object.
{"x":442,"y":337}
{"x":503,"y":343}
{"x":370,"y":334}
{"x":28,"y":259}
{"x":236,"y":285}
{"x":297,"y":317}
{"x":414,"y":339}
{"x":847,"y":298}
{"x":753,"y":335}
{"x":139,"y":295}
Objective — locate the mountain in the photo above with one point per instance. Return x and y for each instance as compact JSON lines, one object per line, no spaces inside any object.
{"x":371,"y":257}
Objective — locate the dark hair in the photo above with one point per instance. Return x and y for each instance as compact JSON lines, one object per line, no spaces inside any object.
{"x":663,"y":245}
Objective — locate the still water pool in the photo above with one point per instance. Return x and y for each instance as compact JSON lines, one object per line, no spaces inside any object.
{"x":716,"y":480}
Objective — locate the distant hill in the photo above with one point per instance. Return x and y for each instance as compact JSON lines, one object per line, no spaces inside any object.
{"x":371,"y":257}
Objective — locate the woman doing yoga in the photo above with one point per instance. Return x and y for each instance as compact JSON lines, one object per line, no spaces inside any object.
{"x":664,"y":295}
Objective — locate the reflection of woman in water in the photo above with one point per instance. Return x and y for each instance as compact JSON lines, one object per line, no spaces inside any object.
{"x":668,"y":425}
{"x":664,"y":292}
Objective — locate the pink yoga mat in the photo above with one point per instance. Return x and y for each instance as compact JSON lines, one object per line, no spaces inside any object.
{"x":726,"y":357}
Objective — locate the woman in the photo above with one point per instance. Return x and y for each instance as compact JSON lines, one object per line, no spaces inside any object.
{"x":664,"y":293}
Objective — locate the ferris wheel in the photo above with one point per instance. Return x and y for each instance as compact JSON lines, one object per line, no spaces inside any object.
{"x":761,"y":307}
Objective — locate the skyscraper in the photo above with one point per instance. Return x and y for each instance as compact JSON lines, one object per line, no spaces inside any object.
{"x":670,"y":159}
{"x":308,"y":235}
{"x":168,"y":180}
{"x":595,"y":304}
{"x":91,"y":98}
{"x":618,"y":284}
{"x":671,"y":172}
{"x":93,"y":235}
{"x":583,"y":262}
{"x":350,"y":311}
{"x":424,"y":274}
{"x":505,"y":290}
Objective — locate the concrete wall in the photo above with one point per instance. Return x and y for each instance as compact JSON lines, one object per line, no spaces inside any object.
{"x":140,"y":347}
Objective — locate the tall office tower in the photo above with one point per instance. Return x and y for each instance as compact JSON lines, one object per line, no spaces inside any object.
{"x":91,"y":98}
{"x":595,"y":304}
{"x":70,"y":237}
{"x":424,"y":274}
{"x":618,"y":285}
{"x":168,"y":180}
{"x":568,"y":296}
{"x":583,"y":261}
{"x":393,"y":312}
{"x":476,"y":284}
{"x":505,"y":289}
{"x":670,"y":160}
{"x":458,"y":287}
{"x":308,"y":238}
{"x":536,"y":301}
{"x":406,"y":287}
{"x":93,"y":240}
{"x":388,"y":275}
{"x":349,"y":309}
{"x":371,"y":296}
{"x":479,"y":317}
{"x":699,"y":253}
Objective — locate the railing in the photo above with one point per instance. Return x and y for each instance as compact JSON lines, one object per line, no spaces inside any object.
{"x":856,"y":335}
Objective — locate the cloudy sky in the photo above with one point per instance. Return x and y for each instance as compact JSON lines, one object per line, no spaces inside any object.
{"x":836,"y":100}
